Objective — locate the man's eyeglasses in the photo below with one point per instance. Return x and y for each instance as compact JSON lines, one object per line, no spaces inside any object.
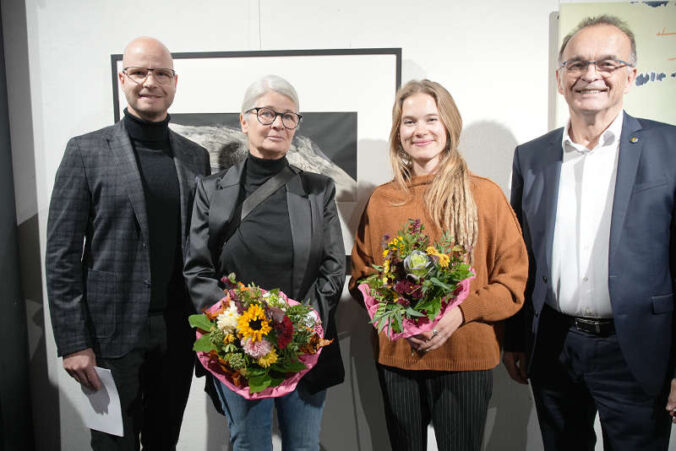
{"x":267,"y":116}
{"x":162,"y":76}
{"x":604,"y":67}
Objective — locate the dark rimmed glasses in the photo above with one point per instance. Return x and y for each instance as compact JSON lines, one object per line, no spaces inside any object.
{"x":266,"y":116}
{"x":605,"y":67}
{"x":162,"y":75}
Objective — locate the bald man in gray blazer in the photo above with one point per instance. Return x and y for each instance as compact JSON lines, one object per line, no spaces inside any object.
{"x":118,"y":219}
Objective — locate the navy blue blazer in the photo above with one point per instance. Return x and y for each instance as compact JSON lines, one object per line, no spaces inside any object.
{"x":642,"y":254}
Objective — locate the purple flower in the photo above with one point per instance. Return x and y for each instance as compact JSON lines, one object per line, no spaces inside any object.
{"x":408,"y":288}
{"x":404,"y":302}
{"x":415,"y":226}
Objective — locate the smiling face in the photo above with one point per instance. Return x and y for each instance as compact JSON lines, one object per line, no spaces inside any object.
{"x":148,"y":100}
{"x":421,"y":132}
{"x":269,"y":141}
{"x":590,"y":95}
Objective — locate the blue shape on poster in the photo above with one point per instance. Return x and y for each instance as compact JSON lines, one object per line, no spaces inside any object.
{"x":654,"y":4}
{"x":642,"y":79}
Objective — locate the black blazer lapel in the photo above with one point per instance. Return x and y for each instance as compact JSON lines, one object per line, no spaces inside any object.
{"x":630,"y":151}
{"x":120,"y":145}
{"x":302,"y":214}
{"x":223,"y":203}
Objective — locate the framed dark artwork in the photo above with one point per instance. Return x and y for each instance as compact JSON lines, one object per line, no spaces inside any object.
{"x":345,"y":98}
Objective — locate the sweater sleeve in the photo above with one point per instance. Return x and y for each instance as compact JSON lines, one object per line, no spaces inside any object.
{"x":502,"y":253}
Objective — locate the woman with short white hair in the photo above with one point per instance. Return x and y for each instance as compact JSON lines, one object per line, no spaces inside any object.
{"x":291,"y":240}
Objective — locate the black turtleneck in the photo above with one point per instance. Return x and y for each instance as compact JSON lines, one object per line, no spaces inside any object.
{"x":261,"y":250}
{"x":160,"y":187}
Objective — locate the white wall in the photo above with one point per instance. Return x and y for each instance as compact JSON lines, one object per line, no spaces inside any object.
{"x":494,"y":57}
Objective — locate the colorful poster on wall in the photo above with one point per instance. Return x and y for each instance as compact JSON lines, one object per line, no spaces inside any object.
{"x":654,"y":26}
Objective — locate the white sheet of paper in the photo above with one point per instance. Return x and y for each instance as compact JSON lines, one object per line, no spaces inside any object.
{"x":100,"y":410}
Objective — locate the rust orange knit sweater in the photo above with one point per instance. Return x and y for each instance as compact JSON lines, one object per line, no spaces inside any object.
{"x":500,"y":264}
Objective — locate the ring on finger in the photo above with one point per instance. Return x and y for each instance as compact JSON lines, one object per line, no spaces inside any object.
{"x":435,"y":332}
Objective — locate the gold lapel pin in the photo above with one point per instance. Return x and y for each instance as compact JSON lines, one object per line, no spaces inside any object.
{"x":634,"y":139}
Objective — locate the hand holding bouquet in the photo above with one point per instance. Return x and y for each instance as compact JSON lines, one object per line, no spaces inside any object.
{"x":416,"y":283}
{"x":259,"y":343}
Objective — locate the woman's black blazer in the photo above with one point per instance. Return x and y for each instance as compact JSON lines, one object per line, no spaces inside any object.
{"x":318,"y":272}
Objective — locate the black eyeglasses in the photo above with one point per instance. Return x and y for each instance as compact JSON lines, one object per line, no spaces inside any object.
{"x":605,"y":67}
{"x":267,"y":116}
{"x":162,"y":76}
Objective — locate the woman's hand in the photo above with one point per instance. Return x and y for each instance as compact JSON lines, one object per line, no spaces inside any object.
{"x":447,"y":325}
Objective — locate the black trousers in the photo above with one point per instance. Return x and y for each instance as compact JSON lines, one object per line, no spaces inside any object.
{"x":455,"y":402}
{"x":574,"y":375}
{"x":153,"y":382}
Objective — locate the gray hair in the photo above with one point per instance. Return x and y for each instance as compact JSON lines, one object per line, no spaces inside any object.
{"x":605,"y":19}
{"x":264,"y":85}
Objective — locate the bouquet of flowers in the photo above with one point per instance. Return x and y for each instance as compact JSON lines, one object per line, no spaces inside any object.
{"x":416,"y":283}
{"x":258,"y":343}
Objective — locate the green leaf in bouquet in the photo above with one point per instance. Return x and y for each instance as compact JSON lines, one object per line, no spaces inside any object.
{"x":276,"y":380}
{"x":203,"y":344}
{"x":398,"y":325}
{"x":381,"y":319}
{"x":259,"y":382}
{"x":462,"y":272}
{"x":433,"y":311}
{"x":439,"y":283}
{"x":374,"y":281}
{"x":230,"y":347}
{"x":289,"y":367}
{"x":427,"y":304}
{"x":413,"y":312}
{"x":200,"y":321}
{"x":255,"y":372}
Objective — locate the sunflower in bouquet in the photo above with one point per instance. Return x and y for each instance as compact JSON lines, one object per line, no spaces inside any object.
{"x":259,"y":343}
{"x":417,"y":282}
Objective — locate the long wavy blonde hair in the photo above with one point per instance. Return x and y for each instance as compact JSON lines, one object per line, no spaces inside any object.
{"x":449,"y":200}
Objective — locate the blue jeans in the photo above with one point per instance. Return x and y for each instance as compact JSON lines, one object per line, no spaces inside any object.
{"x":250,"y":422}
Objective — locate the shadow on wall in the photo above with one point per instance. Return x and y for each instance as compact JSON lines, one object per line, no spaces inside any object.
{"x":43,"y":393}
{"x":357,"y":337}
{"x":354,"y":413}
{"x":218,"y":436}
{"x":509,"y":412}
{"x":488,"y":148}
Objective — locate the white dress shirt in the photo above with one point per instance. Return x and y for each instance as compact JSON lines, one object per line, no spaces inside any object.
{"x":582,"y":229}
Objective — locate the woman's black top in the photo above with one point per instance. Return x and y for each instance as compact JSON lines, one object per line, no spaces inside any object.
{"x":261,"y":250}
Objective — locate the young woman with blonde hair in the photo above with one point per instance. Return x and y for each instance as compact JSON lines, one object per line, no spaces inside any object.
{"x":442,"y":376}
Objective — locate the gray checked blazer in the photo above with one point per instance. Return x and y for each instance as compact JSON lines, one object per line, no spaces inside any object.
{"x":98,"y":257}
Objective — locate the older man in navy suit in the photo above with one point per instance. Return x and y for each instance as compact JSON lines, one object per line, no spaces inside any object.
{"x":118,"y":220}
{"x":596,"y":203}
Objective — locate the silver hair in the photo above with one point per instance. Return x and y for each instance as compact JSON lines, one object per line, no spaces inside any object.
{"x":602,"y":20}
{"x":264,"y":85}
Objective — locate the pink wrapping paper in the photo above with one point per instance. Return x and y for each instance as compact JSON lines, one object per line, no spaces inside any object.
{"x":286,"y":387}
{"x":411,"y":327}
